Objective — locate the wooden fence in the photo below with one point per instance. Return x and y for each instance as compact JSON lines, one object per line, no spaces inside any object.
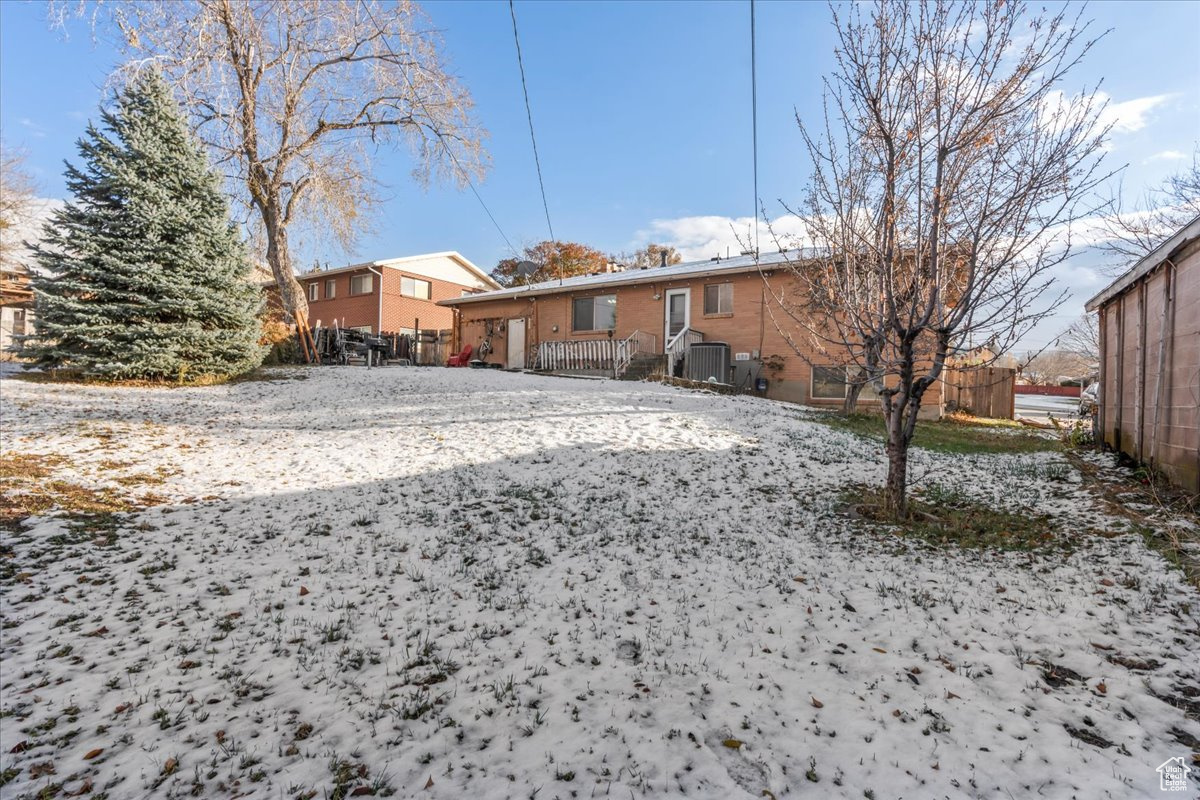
{"x":982,"y":391}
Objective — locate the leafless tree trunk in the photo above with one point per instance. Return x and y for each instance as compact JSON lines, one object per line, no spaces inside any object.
{"x":293,"y":98}
{"x":947,"y":171}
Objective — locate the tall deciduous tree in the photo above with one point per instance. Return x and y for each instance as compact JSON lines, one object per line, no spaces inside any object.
{"x":1131,"y":233}
{"x":294,"y":98}
{"x":143,"y":273}
{"x":16,"y":202}
{"x":651,"y":256}
{"x":1083,"y":338}
{"x":553,"y":260}
{"x":946,"y":172}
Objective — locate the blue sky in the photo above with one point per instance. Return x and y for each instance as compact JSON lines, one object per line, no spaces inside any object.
{"x":642,"y":112}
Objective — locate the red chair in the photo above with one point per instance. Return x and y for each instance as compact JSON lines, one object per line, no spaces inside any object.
{"x":462,"y":359}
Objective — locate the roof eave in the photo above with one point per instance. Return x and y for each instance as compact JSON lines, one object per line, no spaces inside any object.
{"x":642,"y":276}
{"x":1182,"y":238}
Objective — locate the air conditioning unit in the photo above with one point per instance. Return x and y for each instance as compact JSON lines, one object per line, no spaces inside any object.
{"x":708,"y":361}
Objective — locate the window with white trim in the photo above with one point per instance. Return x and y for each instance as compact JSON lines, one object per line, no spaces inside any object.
{"x":361,"y":284}
{"x":313,"y":289}
{"x":718,"y":298}
{"x":597,"y":313}
{"x":829,"y":383}
{"x":330,"y":288}
{"x":415,"y":287}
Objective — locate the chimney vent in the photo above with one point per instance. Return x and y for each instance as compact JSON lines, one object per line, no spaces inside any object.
{"x":663,"y":253}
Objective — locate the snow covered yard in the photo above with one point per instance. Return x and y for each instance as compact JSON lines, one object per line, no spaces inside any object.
{"x":453,"y":583}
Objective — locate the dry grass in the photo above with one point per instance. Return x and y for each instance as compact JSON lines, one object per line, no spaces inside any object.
{"x":33,"y":485}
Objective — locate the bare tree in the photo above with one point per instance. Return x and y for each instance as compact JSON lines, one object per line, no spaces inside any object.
{"x":294,"y":98}
{"x":1083,"y":338}
{"x":1132,"y":232}
{"x":16,"y":203}
{"x":946,"y":174}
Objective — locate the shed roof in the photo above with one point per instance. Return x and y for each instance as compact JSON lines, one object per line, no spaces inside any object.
{"x":691,"y":269}
{"x":1183,"y":237}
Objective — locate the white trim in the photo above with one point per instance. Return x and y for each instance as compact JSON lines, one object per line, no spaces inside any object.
{"x":687,"y":311}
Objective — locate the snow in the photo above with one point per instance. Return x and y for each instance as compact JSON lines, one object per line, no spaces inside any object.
{"x":458,"y":583}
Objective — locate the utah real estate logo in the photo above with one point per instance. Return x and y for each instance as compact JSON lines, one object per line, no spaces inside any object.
{"x":1172,"y":775}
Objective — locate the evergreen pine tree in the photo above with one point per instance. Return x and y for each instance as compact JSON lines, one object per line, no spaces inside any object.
{"x":143,"y":275}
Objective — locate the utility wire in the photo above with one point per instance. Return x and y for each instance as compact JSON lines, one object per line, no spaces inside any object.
{"x":754,"y":122}
{"x":441,"y":136}
{"x":529,"y":115}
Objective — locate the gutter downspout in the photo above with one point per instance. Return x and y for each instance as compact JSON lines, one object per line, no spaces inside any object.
{"x":379,"y":318}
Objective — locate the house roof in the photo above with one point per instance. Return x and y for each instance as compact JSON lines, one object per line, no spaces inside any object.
{"x":1182,"y":238}
{"x":406,"y":263}
{"x":691,"y":269}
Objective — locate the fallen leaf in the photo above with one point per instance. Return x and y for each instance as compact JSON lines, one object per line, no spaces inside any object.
{"x":304,"y":591}
{"x":733,"y":744}
{"x":429,"y":783}
{"x":816,"y":703}
{"x":1106,"y":582}
{"x":1102,"y":687}
{"x":951,"y":695}
{"x":90,"y":754}
{"x":879,"y":650}
{"x":170,"y":767}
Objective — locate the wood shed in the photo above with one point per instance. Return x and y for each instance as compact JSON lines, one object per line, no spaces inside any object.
{"x":1149,"y":396}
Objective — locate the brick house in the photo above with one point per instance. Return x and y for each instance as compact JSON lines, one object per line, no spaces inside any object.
{"x":606,"y":323}
{"x":397,"y":295}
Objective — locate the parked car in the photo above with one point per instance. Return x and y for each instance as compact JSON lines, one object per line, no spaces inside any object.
{"x":1087,"y":400}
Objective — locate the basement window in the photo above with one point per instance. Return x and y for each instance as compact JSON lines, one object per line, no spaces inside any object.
{"x":829,"y":383}
{"x":330,"y":288}
{"x":718,"y":298}
{"x":313,"y":289}
{"x":361,"y":284}
{"x":597,"y":313}
{"x":415,"y":287}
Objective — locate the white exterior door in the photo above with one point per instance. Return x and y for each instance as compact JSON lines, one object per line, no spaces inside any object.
{"x":516,"y":344}
{"x":678,"y":313}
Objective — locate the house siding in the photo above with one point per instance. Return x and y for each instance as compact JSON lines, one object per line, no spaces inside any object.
{"x":750,"y":328}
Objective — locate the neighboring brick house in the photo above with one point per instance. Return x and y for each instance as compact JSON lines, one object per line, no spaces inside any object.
{"x":411,"y":288}
{"x":16,"y":307}
{"x":656,"y":310}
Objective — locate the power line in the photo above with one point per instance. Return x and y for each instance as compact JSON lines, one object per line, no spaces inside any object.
{"x":441,"y":136}
{"x":754,"y":121}
{"x":529,"y":115}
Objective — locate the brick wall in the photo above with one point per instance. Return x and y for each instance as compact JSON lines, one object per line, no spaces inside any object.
{"x":399,"y":312}
{"x":748,"y":329}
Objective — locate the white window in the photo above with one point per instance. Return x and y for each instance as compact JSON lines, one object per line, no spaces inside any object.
{"x":361,"y":284}
{"x":718,"y":298}
{"x":415,"y":287}
{"x":330,"y":288}
{"x":829,"y":383}
{"x":313,"y":289}
{"x":597,"y":313}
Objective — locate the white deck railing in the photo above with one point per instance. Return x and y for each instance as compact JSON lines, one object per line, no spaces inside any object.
{"x":609,"y":355}
{"x":678,"y":346}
